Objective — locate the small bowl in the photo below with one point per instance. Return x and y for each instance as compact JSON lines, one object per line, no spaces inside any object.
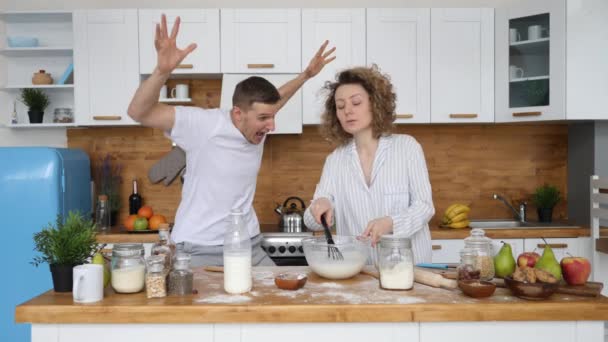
{"x":18,"y":41}
{"x":290,"y":281}
{"x":477,"y":288}
{"x":530,"y":291}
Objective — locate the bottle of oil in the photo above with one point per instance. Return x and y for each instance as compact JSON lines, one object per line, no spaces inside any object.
{"x":135,"y":200}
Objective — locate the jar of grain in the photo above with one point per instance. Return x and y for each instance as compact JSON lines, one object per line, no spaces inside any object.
{"x":156,"y":278}
{"x":481,"y":247}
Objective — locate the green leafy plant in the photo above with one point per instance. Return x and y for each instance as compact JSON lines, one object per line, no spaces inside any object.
{"x":67,"y":243}
{"x":34,"y":99}
{"x":546,"y":196}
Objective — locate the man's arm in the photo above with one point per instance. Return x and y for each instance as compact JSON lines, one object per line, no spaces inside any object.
{"x":144,"y":107}
{"x":318,"y":61}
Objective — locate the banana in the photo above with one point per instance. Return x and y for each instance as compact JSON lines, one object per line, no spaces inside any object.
{"x":460,"y":217}
{"x":450,"y":208}
{"x":461,"y":224}
{"x":461,"y":208}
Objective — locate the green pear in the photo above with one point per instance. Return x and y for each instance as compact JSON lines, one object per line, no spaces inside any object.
{"x":504,"y":263}
{"x":98,"y":259}
{"x":548,"y":262}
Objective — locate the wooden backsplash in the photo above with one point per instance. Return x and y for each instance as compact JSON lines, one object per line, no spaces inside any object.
{"x":467,"y":163}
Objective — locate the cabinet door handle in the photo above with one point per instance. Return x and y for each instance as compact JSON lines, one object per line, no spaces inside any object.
{"x":520,"y":114}
{"x":260,"y":66}
{"x":107,"y":117}
{"x":185,"y":66}
{"x":436,"y":247}
{"x":463,"y":116}
{"x":404,"y":116}
{"x":552,"y":245}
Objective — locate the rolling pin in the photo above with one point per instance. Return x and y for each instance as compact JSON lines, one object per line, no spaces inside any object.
{"x":421,"y":276}
{"x":433,"y":279}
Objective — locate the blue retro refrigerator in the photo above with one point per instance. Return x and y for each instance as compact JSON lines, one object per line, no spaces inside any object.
{"x":36,"y":184}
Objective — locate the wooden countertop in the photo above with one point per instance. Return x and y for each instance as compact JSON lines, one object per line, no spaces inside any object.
{"x":358,"y":299}
{"x":116,"y":235}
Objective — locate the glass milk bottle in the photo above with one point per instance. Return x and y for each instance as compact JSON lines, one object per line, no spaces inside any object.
{"x":396,"y":263}
{"x":237,"y":256}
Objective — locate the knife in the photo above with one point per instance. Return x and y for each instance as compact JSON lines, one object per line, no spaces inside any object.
{"x":437,"y":266}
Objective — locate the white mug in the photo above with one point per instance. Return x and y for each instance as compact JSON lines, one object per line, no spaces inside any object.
{"x":535,"y":32}
{"x":515,"y":72}
{"x":163,"y":92}
{"x":514,"y":36}
{"x":88,"y":283}
{"x":180,"y":91}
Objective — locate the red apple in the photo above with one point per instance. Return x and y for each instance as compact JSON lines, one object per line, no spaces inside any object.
{"x":576,"y":270}
{"x":527,"y":259}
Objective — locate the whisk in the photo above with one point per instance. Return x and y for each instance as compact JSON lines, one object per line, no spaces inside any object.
{"x":332,"y":251}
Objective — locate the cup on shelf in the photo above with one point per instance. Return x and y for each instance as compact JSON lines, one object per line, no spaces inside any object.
{"x":535,"y":32}
{"x":180,"y":91}
{"x":163,"y":92}
{"x":515,"y":72}
{"x":514,"y":35}
{"x":88,"y":283}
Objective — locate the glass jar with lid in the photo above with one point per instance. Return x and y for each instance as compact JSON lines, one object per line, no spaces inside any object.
{"x":156,"y":278}
{"x":396,"y":263}
{"x":481,"y":246}
{"x":181,"y":278}
{"x":467,"y":269}
{"x":128,"y":267}
{"x":164,"y":247}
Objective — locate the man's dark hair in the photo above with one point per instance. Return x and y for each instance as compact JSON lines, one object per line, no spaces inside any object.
{"x":254,"y":89}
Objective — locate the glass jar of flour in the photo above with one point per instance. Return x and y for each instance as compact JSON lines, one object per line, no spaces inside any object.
{"x":396,"y":263}
{"x":128,"y":267}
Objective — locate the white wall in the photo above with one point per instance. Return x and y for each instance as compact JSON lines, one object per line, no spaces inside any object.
{"x":54,"y":137}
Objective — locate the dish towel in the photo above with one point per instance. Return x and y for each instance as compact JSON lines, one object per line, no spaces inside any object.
{"x":168,"y":167}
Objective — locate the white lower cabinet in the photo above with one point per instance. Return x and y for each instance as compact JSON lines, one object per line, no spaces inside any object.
{"x":447,"y":251}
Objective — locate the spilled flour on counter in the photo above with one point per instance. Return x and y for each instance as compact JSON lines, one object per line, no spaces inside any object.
{"x":225,"y":298}
{"x":331,"y":285}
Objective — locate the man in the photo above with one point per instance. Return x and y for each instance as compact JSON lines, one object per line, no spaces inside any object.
{"x":223,"y":148}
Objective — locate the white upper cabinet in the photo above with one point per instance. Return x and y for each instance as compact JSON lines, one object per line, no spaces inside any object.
{"x":200,"y":26}
{"x":462,"y":65}
{"x":398,"y":41}
{"x":587,"y":60}
{"x":288,"y":120}
{"x":106,"y":65}
{"x":345,"y":29}
{"x":530,"y":61}
{"x":261,"y":40}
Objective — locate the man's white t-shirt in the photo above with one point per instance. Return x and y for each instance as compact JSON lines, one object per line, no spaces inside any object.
{"x":221,"y":174}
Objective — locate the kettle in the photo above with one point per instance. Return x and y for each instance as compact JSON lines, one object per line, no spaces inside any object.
{"x":292,"y":217}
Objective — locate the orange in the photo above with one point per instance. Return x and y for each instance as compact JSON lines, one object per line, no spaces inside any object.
{"x":156,"y":220}
{"x":130,"y":222}
{"x":145,"y":211}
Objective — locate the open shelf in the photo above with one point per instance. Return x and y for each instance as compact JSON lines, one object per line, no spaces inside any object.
{"x":41,"y":125}
{"x":38,"y":51}
{"x":42,"y":86}
{"x":530,"y":42}
{"x":524,"y":79}
{"x":185,"y":100}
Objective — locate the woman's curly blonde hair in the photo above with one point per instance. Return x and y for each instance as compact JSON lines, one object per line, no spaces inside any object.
{"x":382,"y":102}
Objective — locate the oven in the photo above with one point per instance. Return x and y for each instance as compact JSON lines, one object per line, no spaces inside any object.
{"x":285,"y":249}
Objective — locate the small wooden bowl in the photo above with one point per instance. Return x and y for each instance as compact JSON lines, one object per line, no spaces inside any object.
{"x":290,"y":281}
{"x":477,"y":288}
{"x":530,"y":291}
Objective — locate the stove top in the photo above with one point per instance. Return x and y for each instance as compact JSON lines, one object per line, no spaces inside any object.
{"x":284,"y":245}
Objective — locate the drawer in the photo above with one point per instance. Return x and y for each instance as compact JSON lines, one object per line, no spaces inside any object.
{"x":447,"y":251}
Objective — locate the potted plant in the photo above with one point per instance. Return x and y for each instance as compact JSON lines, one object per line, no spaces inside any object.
{"x":36,"y":101}
{"x":108,"y":180}
{"x":64,"y":246}
{"x":545,"y":198}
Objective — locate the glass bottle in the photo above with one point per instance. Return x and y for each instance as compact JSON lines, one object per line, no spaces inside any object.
{"x":482,"y":246}
{"x":237,"y":256}
{"x":156,"y":277}
{"x":181,"y":278}
{"x":467,"y":269}
{"x":135,"y":200}
{"x":102,"y":214}
{"x":396,"y":263}
{"x":164,"y":247}
{"x":128,"y":267}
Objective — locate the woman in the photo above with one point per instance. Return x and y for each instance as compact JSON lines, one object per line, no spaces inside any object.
{"x":374,"y":182}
